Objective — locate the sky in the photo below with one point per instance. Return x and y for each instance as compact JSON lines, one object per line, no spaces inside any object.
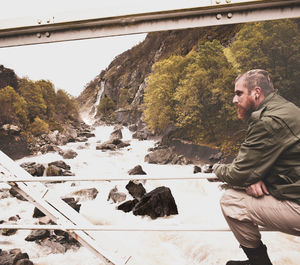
{"x":72,"y":65}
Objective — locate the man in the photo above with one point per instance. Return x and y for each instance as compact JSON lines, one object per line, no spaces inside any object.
{"x":266,"y":170}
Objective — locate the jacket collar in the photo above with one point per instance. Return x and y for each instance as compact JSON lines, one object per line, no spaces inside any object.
{"x":255,"y":115}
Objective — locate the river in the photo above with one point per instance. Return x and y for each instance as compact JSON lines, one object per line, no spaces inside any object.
{"x":197,"y":202}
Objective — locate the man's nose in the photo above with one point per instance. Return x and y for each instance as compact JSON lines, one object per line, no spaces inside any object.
{"x":235,"y":100}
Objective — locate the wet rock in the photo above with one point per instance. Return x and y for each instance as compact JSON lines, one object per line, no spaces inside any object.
{"x":137,"y":170}
{"x":116,"y":196}
{"x":197,"y":169}
{"x":135,"y":189}
{"x":68,"y":154}
{"x":166,"y":156}
{"x":37,"y":235}
{"x":60,"y":164}
{"x":140,"y":135}
{"x":132,"y":127}
{"x":85,"y":194}
{"x":116,"y":134}
{"x":105,"y":147}
{"x":73,"y":203}
{"x":86,"y":134}
{"x":54,"y":171}
{"x":33,"y":168}
{"x":17,"y":195}
{"x":14,"y":257}
{"x":157,"y":203}
{"x":127,"y":206}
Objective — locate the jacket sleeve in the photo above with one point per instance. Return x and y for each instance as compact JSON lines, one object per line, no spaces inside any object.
{"x":257,"y":154}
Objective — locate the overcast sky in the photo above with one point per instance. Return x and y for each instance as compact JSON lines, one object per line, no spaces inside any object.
{"x":71,"y":65}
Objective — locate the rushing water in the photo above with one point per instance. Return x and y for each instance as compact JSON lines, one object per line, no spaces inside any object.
{"x":197,"y":201}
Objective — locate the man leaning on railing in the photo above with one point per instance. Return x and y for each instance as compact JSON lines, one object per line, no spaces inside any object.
{"x":267,"y":166}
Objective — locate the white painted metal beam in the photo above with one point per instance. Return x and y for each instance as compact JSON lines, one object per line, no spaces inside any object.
{"x":197,"y":176}
{"x":124,"y":228}
{"x":61,"y":29}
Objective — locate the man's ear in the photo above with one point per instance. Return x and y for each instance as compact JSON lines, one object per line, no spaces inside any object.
{"x":257,"y":92}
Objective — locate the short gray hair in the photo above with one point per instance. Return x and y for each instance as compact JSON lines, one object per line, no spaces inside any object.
{"x":257,"y":78}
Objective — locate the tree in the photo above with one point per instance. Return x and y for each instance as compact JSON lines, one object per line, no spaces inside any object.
{"x":105,"y":107}
{"x":273,"y":46}
{"x":32,"y":93}
{"x":66,"y":106}
{"x":13,"y":107}
{"x":159,"y":103}
{"x":38,"y":127}
{"x":204,"y":96}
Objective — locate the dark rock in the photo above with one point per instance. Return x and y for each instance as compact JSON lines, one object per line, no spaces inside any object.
{"x":61,"y":164}
{"x":197,"y":169}
{"x":37,"y":235}
{"x":137,"y":170}
{"x":73,"y":203}
{"x":33,"y":168}
{"x":8,"y":232}
{"x":135,"y":189}
{"x":157,"y":203}
{"x":14,"y":218}
{"x":54,"y":171}
{"x":127,"y":206}
{"x":166,"y":156}
{"x":37,"y":213}
{"x":14,"y":257}
{"x":14,"y":193}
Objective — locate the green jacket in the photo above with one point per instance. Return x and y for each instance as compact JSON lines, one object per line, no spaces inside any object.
{"x":270,"y":152}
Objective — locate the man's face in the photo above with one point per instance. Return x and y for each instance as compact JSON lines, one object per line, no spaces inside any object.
{"x":244,"y":100}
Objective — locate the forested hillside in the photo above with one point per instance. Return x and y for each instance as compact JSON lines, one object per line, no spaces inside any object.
{"x":31,"y":108}
{"x":185,"y":79}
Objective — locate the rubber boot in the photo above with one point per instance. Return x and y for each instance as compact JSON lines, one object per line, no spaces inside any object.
{"x":256,"y":256}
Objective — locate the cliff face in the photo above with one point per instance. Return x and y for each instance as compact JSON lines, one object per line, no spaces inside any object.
{"x":124,"y":79}
{"x":8,"y":78}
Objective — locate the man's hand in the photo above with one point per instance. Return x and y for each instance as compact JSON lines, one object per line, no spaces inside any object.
{"x":257,"y":189}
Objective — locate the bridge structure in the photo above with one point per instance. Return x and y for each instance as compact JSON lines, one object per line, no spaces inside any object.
{"x":68,"y":27}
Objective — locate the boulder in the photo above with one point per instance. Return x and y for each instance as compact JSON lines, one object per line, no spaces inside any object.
{"x":207,"y":168}
{"x":85,"y":194}
{"x":14,"y":257}
{"x":157,"y":203}
{"x":135,"y":189}
{"x":68,"y":154}
{"x":197,"y":169}
{"x":34,"y":169}
{"x":116,"y":134}
{"x":137,"y":170}
{"x":37,"y":234}
{"x":166,"y":156}
{"x":54,"y":171}
{"x":60,"y":164}
{"x":127,"y":206}
{"x":116,"y":196}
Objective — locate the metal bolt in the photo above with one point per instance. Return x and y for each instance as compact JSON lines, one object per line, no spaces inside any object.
{"x":48,"y":20}
{"x":39,"y":21}
{"x":39,"y":35}
{"x":47,"y":34}
{"x":229,"y":15}
{"x":218,"y":2}
{"x":228,"y":1}
{"x":219,"y":16}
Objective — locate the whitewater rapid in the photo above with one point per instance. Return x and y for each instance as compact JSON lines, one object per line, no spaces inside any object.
{"x":197,"y":202}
